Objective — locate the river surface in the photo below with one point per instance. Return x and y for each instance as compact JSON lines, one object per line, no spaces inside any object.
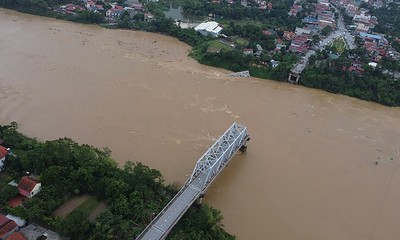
{"x":309,"y":172}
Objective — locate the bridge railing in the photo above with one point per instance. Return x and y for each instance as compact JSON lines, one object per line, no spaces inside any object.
{"x":159,"y":215}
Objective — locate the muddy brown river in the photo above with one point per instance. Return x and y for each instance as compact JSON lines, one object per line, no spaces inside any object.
{"x":309,"y":172}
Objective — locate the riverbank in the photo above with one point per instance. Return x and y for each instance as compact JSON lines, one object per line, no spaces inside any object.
{"x":140,"y":95}
{"x":371,"y":85}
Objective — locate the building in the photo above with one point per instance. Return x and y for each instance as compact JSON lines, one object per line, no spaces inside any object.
{"x":3,"y":153}
{"x":29,"y":187}
{"x":300,"y":31}
{"x":209,"y":28}
{"x":288,"y":35}
{"x":16,"y":236}
{"x":248,"y":51}
{"x":274,"y":63}
{"x":7,"y":227}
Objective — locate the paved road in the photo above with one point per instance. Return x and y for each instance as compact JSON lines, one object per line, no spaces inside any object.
{"x":340,"y":32}
{"x":174,"y":211}
{"x":349,"y":38}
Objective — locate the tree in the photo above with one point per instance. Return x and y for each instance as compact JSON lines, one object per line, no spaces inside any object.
{"x":326,"y":30}
{"x":75,"y":225}
{"x":7,"y":192}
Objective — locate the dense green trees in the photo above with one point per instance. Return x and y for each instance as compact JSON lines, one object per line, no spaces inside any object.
{"x":372,"y":85}
{"x":65,"y":168}
{"x":389,"y":19}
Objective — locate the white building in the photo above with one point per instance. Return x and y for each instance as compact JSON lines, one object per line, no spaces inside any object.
{"x":209,"y":28}
{"x":29,"y":187}
{"x":300,"y":31}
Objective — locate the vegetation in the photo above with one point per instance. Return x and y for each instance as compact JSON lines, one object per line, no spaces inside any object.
{"x":132,"y":194}
{"x":333,"y":76}
{"x":389,"y":19}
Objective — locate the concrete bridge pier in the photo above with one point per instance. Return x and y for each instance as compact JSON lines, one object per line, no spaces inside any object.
{"x":295,"y":76}
{"x":243,"y":148}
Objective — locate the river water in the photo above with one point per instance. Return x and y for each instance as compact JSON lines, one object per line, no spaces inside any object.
{"x":309,"y":172}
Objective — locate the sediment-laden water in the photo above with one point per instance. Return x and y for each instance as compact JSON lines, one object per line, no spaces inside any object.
{"x":309,"y":172}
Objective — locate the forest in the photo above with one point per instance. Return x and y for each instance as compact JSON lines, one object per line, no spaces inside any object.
{"x":132,"y":194}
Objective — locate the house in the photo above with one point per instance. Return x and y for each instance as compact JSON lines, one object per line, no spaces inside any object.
{"x":7,"y":227}
{"x":248,"y":51}
{"x":209,"y":28}
{"x":138,"y":6}
{"x":310,"y":20}
{"x":16,"y":236}
{"x":3,"y":153}
{"x":274,"y":63}
{"x":29,"y":187}
{"x":300,"y":31}
{"x":288,"y":35}
{"x":361,"y":27}
{"x":148,"y":17}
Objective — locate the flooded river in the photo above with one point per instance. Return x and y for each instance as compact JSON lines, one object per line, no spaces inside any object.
{"x":309,"y":172}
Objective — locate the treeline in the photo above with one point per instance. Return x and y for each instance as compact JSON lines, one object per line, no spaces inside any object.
{"x":46,"y":8}
{"x":372,"y":85}
{"x":388,"y":19}
{"x":132,"y":193}
{"x":276,"y":17}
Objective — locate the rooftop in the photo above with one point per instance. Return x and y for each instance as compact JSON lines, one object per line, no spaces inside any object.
{"x":26,"y":185}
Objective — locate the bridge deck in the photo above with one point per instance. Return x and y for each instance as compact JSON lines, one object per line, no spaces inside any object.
{"x":207,"y":168}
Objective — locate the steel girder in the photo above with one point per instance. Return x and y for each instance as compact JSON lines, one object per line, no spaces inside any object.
{"x":219,"y":154}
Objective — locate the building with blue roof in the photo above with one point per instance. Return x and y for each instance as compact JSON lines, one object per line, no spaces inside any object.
{"x":373,"y":36}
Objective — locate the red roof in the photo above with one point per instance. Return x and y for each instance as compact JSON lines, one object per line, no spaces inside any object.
{"x":17,"y":201}
{"x":7,"y":228}
{"x":26,"y":185}
{"x":16,"y":236}
{"x":3,"y":150}
{"x":3,"y":220}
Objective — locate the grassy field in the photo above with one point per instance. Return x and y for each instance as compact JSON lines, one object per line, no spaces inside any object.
{"x":241,"y":41}
{"x":70,"y":205}
{"x":216,"y":46}
{"x":87,"y":204}
{"x":339,"y":44}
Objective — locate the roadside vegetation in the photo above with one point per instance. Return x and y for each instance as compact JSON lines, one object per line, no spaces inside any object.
{"x":130,"y":195}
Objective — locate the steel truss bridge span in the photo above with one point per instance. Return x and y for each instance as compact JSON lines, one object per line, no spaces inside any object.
{"x":206,"y":170}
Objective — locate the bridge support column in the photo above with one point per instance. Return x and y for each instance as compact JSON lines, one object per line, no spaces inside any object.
{"x":297,"y":79}
{"x":290,"y":77}
{"x":243,"y":148}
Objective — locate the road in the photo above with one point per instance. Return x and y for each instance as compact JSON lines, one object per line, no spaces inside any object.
{"x":340,"y":32}
{"x":174,"y":211}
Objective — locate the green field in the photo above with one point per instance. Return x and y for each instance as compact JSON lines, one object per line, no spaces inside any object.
{"x":241,"y":41}
{"x":88,"y":206}
{"x":216,"y":46}
{"x":339,"y":44}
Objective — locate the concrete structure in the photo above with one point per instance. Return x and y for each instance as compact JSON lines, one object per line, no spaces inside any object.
{"x":300,"y":31}
{"x":7,"y":227}
{"x":206,"y":170}
{"x":208,"y":28}
{"x":240,"y":74}
{"x":16,"y":236}
{"x":33,"y":232}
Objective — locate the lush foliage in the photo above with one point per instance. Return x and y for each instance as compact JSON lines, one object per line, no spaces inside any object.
{"x":389,"y":19}
{"x":65,"y":168}
{"x":372,"y":85}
